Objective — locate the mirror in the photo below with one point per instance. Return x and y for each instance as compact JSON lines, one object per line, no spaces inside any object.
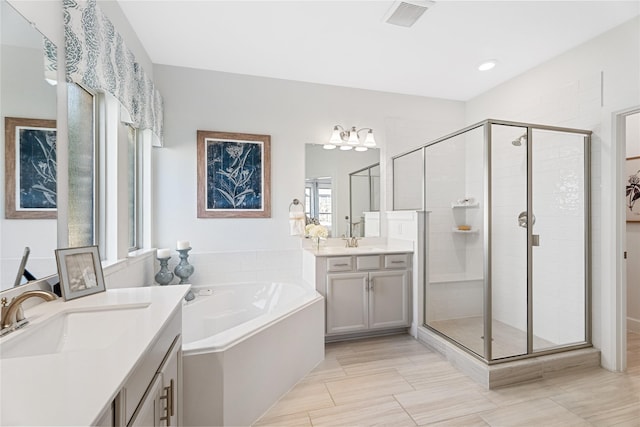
{"x":24,"y":93}
{"x":329,"y":195}
{"x":364,"y":201}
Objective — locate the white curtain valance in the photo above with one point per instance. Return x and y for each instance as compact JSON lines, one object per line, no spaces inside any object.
{"x":98,"y":58}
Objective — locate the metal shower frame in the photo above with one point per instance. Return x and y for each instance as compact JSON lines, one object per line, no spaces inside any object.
{"x":487,"y":277}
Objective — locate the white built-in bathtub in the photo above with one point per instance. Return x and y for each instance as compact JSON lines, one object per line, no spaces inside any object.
{"x":244,"y":346}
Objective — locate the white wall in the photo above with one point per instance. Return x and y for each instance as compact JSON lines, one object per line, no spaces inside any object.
{"x":566,"y":91}
{"x":633,"y":235}
{"x":293,"y":113}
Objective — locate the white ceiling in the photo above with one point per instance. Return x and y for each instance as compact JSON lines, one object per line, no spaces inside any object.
{"x":347,"y":43}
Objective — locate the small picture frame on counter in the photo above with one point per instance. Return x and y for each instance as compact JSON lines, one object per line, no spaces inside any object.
{"x":80,"y":271}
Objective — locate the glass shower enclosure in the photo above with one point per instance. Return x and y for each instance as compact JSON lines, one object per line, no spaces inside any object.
{"x":507,"y":236}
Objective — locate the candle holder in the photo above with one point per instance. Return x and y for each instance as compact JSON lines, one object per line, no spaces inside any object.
{"x":183,"y":270}
{"x":164,"y":276}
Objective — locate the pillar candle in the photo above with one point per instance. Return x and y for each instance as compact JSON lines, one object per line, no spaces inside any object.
{"x":164,"y":253}
{"x":182,"y":244}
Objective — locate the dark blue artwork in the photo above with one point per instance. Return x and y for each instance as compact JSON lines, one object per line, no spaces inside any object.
{"x":37,"y":168}
{"x":234,"y":175}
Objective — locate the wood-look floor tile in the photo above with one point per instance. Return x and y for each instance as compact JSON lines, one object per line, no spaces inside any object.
{"x":366,"y":387}
{"x":540,"y":412}
{"x":433,"y":405}
{"x":628,"y":415}
{"x":597,"y":398}
{"x":380,"y":365}
{"x":466,"y":421}
{"x":380,"y":411}
{"x":517,"y":393}
{"x":425,"y":375}
{"x":305,"y":396}
{"x":396,"y":380}
{"x":300,"y":419}
{"x":329,"y":369}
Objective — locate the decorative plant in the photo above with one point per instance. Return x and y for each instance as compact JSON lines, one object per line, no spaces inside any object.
{"x":633,"y":190}
{"x":316,"y":232}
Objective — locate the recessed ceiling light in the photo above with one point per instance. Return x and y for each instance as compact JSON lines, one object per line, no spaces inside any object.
{"x":487,"y":65}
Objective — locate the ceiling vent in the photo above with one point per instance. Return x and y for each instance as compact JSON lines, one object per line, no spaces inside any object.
{"x":405,"y":13}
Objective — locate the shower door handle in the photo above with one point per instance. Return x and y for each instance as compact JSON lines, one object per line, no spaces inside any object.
{"x":535,"y":240}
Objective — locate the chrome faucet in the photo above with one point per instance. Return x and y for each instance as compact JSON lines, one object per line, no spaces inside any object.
{"x":351,"y":242}
{"x":11,"y":312}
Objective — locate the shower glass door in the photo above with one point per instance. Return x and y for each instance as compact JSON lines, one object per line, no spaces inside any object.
{"x":507,"y":286}
{"x":558,"y":252}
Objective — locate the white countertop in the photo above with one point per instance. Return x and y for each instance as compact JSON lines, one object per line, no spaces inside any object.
{"x":325,"y":251}
{"x":73,"y":387}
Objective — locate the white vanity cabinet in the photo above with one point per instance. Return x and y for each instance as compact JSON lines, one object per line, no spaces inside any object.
{"x":152,"y":395}
{"x":367,"y":293}
{"x":159,"y":406}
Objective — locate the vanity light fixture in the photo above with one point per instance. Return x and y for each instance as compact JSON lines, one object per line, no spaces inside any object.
{"x":350,"y":139}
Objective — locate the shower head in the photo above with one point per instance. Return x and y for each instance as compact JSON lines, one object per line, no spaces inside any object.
{"x":519,"y":140}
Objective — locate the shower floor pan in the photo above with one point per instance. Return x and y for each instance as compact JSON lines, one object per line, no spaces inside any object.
{"x":506,"y":341}
{"x":508,"y":372}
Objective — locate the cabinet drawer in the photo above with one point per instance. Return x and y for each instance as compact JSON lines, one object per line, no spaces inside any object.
{"x":368,"y":262}
{"x":343,"y":263}
{"x":396,"y":261}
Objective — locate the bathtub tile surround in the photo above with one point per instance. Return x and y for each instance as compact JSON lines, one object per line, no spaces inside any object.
{"x":440,"y":394}
{"x":246,"y":266}
{"x":245,"y":346}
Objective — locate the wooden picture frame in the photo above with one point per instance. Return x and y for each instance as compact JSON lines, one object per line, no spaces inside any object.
{"x":234,"y":175}
{"x":30,"y":168}
{"x":79,"y":271}
{"x":632,"y":189}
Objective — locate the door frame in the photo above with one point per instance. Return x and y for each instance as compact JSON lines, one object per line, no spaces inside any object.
{"x":620,"y":298}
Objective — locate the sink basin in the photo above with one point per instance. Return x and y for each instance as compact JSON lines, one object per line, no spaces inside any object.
{"x":73,"y":331}
{"x":342,"y":250}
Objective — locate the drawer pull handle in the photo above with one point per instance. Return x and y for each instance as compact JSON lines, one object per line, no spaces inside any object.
{"x":344,"y":264}
{"x":169,"y":409}
{"x":397,"y":262}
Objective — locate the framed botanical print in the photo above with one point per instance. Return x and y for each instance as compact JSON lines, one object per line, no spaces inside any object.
{"x":30,"y":168}
{"x":234,"y":175}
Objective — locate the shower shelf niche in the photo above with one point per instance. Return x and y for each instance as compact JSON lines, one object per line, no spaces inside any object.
{"x":464,"y":206}
{"x":472,"y":231}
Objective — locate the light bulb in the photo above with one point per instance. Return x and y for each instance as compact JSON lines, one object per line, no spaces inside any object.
{"x":335,"y":136}
{"x":329,"y":146}
{"x":370,"y":141}
{"x":353,"y":136}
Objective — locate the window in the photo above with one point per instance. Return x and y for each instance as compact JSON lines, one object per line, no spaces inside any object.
{"x":82,"y":166}
{"x":318,"y":201}
{"x":134,"y":185}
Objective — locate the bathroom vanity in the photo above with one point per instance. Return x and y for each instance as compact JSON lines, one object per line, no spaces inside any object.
{"x":109,"y":359}
{"x":367,"y":289}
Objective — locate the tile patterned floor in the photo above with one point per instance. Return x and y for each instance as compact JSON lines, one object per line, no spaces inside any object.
{"x":396,"y":381}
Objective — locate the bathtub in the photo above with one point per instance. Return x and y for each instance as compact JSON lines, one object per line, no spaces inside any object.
{"x":244,"y":345}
